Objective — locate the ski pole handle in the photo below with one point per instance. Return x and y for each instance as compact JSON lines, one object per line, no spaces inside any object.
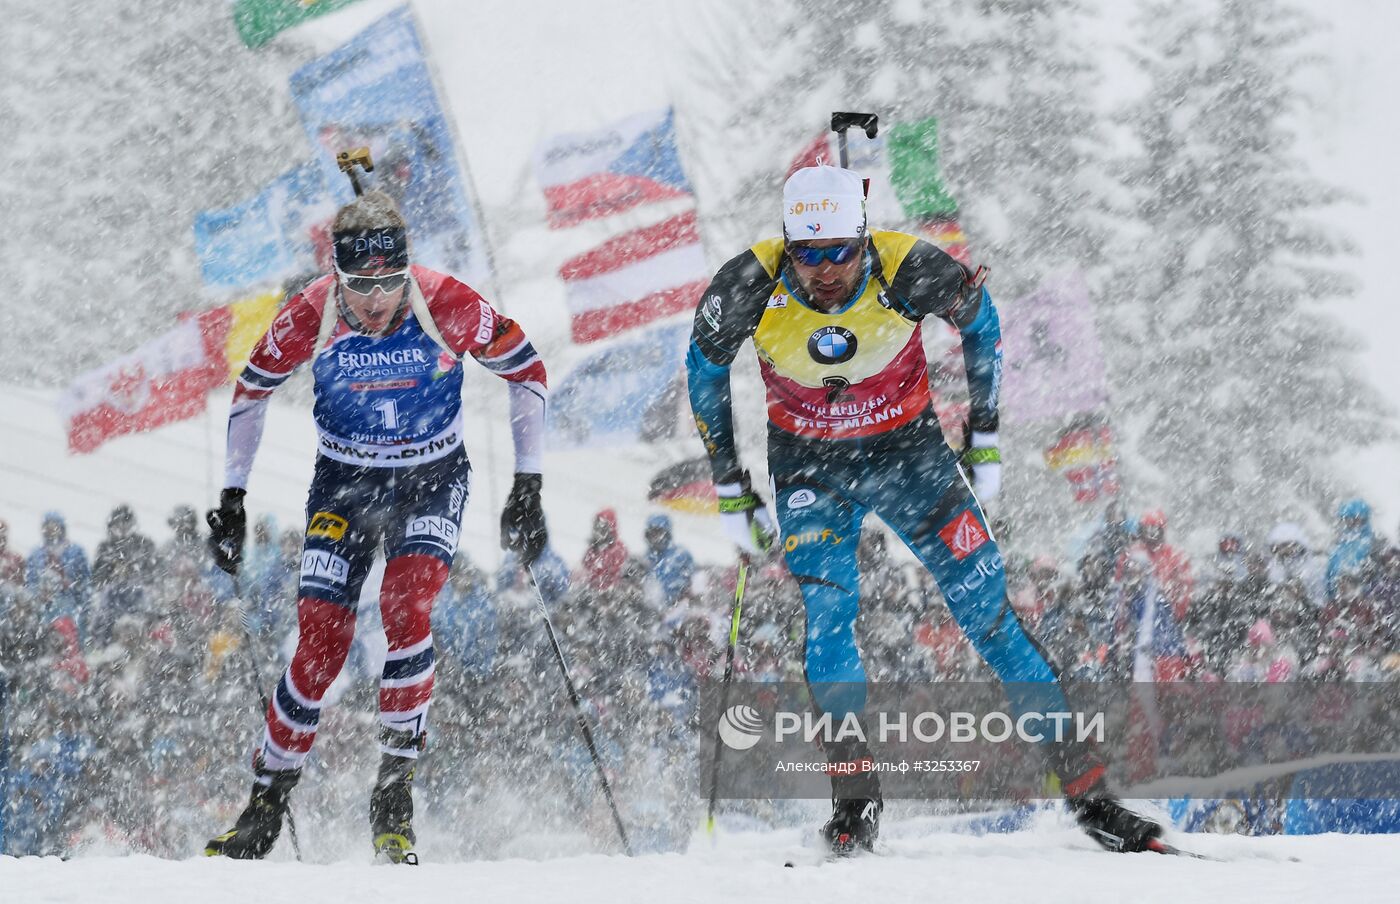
{"x":840,"y":122}
{"x":355,"y":157}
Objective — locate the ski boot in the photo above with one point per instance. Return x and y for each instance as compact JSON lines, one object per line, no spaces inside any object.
{"x":391,"y":802}
{"x":1097,"y":809}
{"x":856,"y":803}
{"x":257,"y":827}
{"x":1113,"y":825}
{"x":854,"y":824}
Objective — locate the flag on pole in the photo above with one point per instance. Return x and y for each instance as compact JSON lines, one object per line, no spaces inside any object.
{"x":686,"y":486}
{"x":1054,"y":364}
{"x":268,"y":238}
{"x":636,"y":278}
{"x":629,"y":392}
{"x":1084,"y":454}
{"x":259,"y":21}
{"x":916,"y":172}
{"x":587,"y":175}
{"x":377,"y":89}
{"x":168,"y":378}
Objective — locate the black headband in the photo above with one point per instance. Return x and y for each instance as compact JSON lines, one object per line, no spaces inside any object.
{"x":372,"y":249}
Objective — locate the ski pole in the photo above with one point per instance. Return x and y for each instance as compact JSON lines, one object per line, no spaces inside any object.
{"x":4,"y":752}
{"x":724,"y":689}
{"x":579,"y":714}
{"x":256,"y":678}
{"x":840,"y":122}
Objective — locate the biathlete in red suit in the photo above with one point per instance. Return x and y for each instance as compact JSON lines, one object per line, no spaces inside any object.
{"x":385,"y":340}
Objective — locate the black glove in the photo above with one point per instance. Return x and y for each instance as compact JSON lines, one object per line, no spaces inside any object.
{"x":228,"y":527}
{"x":522,"y":523}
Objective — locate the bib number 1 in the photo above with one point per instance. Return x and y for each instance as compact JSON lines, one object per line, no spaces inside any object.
{"x":389,"y":409}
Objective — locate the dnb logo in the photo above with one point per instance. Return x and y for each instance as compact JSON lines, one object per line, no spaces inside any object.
{"x":740,"y":727}
{"x":434,"y":529}
{"x":964,"y":535}
{"x":832,"y":345}
{"x":324,"y":568}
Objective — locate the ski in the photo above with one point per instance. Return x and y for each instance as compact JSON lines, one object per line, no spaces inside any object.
{"x":1159,"y":846}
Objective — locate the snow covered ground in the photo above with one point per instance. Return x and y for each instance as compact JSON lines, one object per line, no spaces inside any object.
{"x":1050,"y":865}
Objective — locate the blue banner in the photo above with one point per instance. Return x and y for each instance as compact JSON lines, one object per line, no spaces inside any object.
{"x":267,"y":238}
{"x":377,"y":90}
{"x":628,"y":393}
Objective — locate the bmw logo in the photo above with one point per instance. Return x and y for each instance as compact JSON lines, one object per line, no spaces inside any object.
{"x":832,"y":345}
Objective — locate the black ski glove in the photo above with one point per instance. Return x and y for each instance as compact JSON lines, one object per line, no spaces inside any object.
{"x":228,"y":526}
{"x":522,"y":523}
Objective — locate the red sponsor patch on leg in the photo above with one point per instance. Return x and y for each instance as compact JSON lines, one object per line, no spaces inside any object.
{"x":963,"y":535}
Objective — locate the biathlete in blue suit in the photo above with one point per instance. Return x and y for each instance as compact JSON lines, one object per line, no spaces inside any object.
{"x":834,"y":311}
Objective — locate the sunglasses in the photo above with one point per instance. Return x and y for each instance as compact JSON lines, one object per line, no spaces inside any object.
{"x":364,"y":285}
{"x":808,"y":256}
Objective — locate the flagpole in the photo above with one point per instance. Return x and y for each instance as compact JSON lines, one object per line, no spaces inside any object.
{"x":208,"y":452}
{"x":474,"y":204}
{"x":465,"y":171}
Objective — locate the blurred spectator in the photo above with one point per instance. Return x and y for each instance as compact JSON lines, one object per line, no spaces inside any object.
{"x":194,"y":626}
{"x":1295,"y":572}
{"x":270,"y":590}
{"x":549,"y":570}
{"x":185,"y":558}
{"x":881,"y":583}
{"x":1046,"y":605}
{"x":263,"y":555}
{"x":1099,"y":564}
{"x":185,"y":539}
{"x":1149,"y":645}
{"x":464,"y":621}
{"x":1231,"y":601}
{"x":1170,"y":566}
{"x":1387,"y":589}
{"x":1353,"y":608}
{"x":122,"y":572}
{"x":11,"y":563}
{"x":639,"y":632}
{"x":1264,"y":658}
{"x":1354,"y":554}
{"x":947,"y":643}
{"x":26,"y":635}
{"x":605,"y":556}
{"x":58,"y":572}
{"x":672,"y":566}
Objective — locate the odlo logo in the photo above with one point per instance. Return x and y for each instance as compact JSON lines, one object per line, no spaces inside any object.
{"x":963,"y":535}
{"x":740,"y":727}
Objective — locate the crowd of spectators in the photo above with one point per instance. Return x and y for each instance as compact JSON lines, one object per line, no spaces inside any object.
{"x":128,"y":677}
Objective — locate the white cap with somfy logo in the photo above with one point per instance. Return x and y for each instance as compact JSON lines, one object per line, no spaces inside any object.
{"x":823,"y":202}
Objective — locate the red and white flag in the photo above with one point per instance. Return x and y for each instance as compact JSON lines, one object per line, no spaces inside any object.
{"x":636,"y":278}
{"x":595,"y":174}
{"x":168,"y":378}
